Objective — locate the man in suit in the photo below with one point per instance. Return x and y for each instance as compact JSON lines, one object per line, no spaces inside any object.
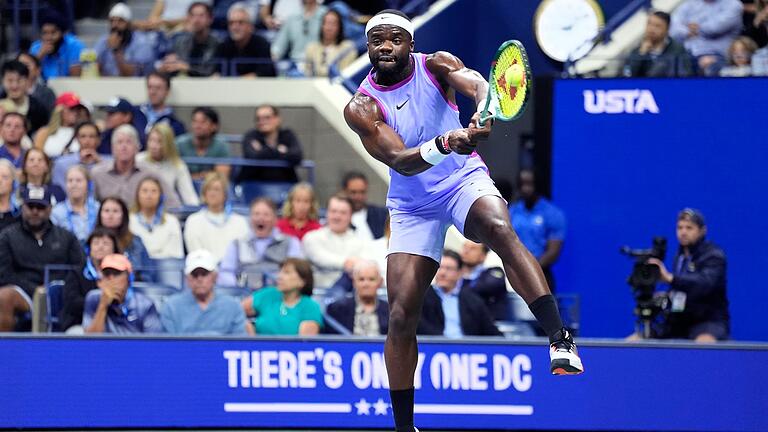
{"x":451,"y":311}
{"x":368,"y":219}
{"x":364,"y":313}
{"x":488,"y":283}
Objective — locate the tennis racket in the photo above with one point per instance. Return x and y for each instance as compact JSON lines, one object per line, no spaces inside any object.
{"x":510,"y":64}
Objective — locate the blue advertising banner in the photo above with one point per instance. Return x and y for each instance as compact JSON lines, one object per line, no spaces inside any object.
{"x":58,"y":382}
{"x":628,"y":154}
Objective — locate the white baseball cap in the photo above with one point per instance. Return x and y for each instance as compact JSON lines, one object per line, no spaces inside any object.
{"x":200,"y":258}
{"x":120,"y":10}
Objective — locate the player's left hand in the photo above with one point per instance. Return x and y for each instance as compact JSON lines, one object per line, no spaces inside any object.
{"x":477,"y":133}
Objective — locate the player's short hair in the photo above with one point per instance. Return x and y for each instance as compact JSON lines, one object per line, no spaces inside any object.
{"x":394,"y":12}
{"x":352,"y":175}
{"x":455,"y":256}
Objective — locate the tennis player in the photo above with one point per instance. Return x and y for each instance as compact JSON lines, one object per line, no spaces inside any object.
{"x":406,"y":116}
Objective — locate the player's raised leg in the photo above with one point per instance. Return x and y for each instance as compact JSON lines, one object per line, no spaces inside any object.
{"x":408,"y":277}
{"x":488,"y":222}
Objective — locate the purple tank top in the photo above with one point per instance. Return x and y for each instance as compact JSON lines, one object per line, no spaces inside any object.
{"x":418,"y":110}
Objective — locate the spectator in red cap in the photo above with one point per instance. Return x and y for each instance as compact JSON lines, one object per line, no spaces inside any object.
{"x":55,"y":139}
{"x":116,"y":307}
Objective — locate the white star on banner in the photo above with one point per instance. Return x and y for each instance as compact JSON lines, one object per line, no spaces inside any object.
{"x":380,"y":407}
{"x":363,"y":407}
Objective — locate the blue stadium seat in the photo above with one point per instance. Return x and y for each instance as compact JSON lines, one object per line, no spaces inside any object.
{"x":155,"y":291}
{"x":55,"y":298}
{"x":170,"y":271}
{"x":234,"y":291}
{"x":247,"y":191}
{"x":334,"y":326}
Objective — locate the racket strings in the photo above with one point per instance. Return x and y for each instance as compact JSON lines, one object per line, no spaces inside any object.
{"x":510,"y":99}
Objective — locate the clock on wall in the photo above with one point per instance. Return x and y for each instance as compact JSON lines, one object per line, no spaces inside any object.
{"x":565,"y":29}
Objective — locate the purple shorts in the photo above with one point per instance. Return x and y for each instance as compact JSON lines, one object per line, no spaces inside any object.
{"x":422,"y":231}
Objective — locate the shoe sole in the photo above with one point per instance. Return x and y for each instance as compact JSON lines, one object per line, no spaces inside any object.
{"x":564,"y":367}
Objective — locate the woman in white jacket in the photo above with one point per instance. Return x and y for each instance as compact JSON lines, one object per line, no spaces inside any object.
{"x":159,"y":231}
{"x":214,"y":227}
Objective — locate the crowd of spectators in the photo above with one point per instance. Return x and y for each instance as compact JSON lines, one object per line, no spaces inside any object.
{"x":703,"y":37}
{"x":114,"y":199}
{"x":184,"y":37}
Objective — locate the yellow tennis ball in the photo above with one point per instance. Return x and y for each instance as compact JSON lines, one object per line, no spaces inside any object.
{"x":514,"y":75}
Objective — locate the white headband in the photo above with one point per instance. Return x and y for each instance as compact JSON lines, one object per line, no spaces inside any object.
{"x":390,"y":19}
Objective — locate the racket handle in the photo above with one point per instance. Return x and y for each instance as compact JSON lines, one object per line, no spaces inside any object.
{"x":484,"y":117}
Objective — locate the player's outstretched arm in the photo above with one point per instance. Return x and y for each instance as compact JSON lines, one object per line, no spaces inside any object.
{"x":381,"y":141}
{"x":451,"y":73}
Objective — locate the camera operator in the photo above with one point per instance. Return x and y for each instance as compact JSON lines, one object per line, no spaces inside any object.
{"x":698,"y":302}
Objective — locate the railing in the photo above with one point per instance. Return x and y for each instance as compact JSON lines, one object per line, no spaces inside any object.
{"x":308,"y":165}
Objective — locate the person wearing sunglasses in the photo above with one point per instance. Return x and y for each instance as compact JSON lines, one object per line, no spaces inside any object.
{"x":25,"y":249}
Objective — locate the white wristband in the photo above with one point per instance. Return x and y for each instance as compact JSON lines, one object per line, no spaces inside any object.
{"x":431,"y":153}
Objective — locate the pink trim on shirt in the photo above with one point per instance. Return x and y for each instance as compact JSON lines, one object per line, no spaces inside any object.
{"x":475,"y":154}
{"x":381,"y":106}
{"x":394,"y":86}
{"x":436,"y":84}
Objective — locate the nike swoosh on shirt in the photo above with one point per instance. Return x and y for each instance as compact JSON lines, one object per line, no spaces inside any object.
{"x":402,"y":104}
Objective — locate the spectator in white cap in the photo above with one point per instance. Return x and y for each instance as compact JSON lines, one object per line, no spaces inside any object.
{"x":198,"y":310}
{"x":124,"y":52}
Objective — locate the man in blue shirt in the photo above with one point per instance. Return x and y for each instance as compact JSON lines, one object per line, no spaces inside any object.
{"x":124,"y":52}
{"x":116,"y":307}
{"x":13,"y":128}
{"x":199,"y":310}
{"x":58,"y":52}
{"x":707,"y":28}
{"x":451,"y":311}
{"x":539,"y":224}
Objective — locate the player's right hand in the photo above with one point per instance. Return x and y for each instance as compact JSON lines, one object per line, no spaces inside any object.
{"x":459,"y":141}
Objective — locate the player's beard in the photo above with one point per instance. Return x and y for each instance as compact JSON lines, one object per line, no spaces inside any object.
{"x":393,"y":72}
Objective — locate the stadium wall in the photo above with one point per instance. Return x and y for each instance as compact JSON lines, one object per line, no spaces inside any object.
{"x":341,"y":383}
{"x":622,"y":172}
